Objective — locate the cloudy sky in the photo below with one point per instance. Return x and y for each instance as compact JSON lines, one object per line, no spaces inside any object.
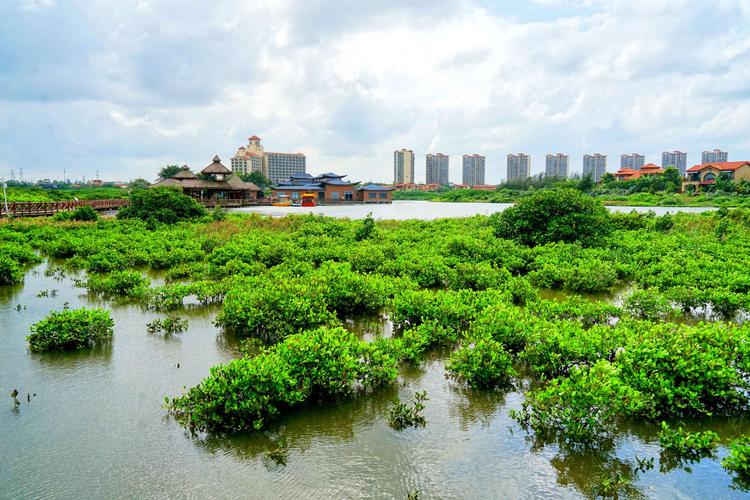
{"x":125,"y":87}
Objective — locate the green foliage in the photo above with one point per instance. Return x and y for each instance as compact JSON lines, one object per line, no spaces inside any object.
{"x":248,"y":393}
{"x":169,"y":171}
{"x":550,"y":216}
{"x":687,"y":445}
{"x":217,"y":214}
{"x":481,"y":363}
{"x":647,"y":304}
{"x":170,"y":325}
{"x":366,"y":229}
{"x":738,"y":462}
{"x":257,"y":178}
{"x":580,"y":409}
{"x":10,"y":272}
{"x":117,"y":284}
{"x":274,"y":310}
{"x":70,"y":329}
{"x":161,"y":205}
{"x":401,"y":415}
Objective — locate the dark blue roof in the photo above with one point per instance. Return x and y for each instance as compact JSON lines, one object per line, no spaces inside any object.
{"x":339,"y":182}
{"x":300,"y":187}
{"x":303,"y":175}
{"x":331,"y":174}
{"x":375,"y":187}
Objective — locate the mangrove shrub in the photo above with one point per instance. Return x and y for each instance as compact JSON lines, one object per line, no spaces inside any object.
{"x":548,"y":216}
{"x":70,"y":329}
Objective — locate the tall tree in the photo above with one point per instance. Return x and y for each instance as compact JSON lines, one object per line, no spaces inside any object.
{"x":169,"y":171}
{"x":256,"y":178}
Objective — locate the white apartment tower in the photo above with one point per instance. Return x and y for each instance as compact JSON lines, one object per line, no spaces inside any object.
{"x":403,"y":166}
{"x":250,"y":158}
{"x":632,"y":161}
{"x":595,"y":165}
{"x":556,"y":165}
{"x":436,"y":166}
{"x":519,"y":166}
{"x":676,"y":159}
{"x":473,"y":170}
{"x":715,"y":156}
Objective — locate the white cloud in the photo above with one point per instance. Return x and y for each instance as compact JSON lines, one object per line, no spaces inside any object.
{"x":347,"y":83}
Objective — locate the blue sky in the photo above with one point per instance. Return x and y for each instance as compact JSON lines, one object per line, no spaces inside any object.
{"x":125,"y":87}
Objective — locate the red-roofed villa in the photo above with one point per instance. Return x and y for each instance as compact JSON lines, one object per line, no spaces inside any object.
{"x":705,"y":174}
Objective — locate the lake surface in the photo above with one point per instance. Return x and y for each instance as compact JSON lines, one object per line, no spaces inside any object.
{"x":96,"y":427}
{"x":428,"y":210}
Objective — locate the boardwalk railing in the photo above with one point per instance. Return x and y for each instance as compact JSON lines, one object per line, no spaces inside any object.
{"x":39,"y":208}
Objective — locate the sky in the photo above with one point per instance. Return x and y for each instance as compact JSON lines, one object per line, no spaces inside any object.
{"x":126,"y":87}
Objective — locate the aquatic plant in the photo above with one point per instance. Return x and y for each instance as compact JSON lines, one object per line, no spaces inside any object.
{"x":170,"y":325}
{"x":313,"y":365}
{"x":117,"y":284}
{"x":161,"y":205}
{"x":481,"y":362}
{"x":401,"y":415}
{"x":70,"y":329}
{"x":738,"y":462}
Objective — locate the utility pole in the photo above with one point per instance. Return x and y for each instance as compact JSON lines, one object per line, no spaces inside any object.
{"x":20,"y":174}
{"x":64,"y":176}
{"x":5,"y":195}
{"x":12,"y":174}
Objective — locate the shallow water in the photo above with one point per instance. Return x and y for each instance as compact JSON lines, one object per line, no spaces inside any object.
{"x":427,"y":210}
{"x":96,"y":427}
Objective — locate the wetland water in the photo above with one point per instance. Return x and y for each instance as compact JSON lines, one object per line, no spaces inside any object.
{"x":428,"y":210}
{"x":96,"y":427}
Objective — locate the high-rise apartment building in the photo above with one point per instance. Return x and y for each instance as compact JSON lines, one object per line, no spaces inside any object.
{"x":281,"y":166}
{"x":595,"y":165}
{"x":473,"y":170}
{"x":714,"y":156}
{"x":676,"y":159}
{"x":403,"y":166}
{"x":519,"y":166}
{"x":556,"y":165}
{"x":278,"y":167}
{"x":632,"y":161}
{"x":436,"y":166}
{"x":250,"y":158}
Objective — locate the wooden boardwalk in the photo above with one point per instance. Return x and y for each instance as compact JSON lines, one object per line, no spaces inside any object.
{"x":42,"y":208}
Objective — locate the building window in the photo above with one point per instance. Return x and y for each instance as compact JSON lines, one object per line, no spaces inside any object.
{"x":349,"y":196}
{"x":295,"y":195}
{"x":384,"y":195}
{"x":371,"y":195}
{"x":335,"y":195}
{"x":709,"y":177}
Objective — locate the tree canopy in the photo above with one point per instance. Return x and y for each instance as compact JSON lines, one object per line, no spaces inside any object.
{"x":549,"y":216}
{"x":162,"y":204}
{"x":169,"y":171}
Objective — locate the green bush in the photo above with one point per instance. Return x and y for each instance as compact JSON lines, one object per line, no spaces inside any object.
{"x":161,"y":205}
{"x":274,"y":310}
{"x":168,"y":326}
{"x":481,"y":363}
{"x":118,"y":284}
{"x":70,"y":329}
{"x":647,"y":304}
{"x":247,"y":393}
{"x":738,"y":461}
{"x":85,"y":213}
{"x":682,"y":443}
{"x":554,"y":215}
{"x":10,"y":272}
{"x":580,"y":409}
